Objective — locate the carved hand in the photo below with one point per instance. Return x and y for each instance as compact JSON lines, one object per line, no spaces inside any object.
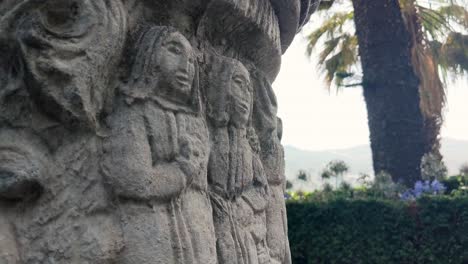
{"x":189,"y":156}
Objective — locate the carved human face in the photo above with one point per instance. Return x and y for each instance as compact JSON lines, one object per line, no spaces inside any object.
{"x":241,"y":96}
{"x":176,"y":67}
{"x":71,"y":49}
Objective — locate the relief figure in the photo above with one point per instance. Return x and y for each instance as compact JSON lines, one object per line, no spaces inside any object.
{"x":238,"y":187}
{"x":125,"y":140}
{"x":157,"y":154}
{"x":269,"y":129}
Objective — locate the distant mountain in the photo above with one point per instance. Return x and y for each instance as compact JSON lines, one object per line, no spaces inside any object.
{"x":359,"y":159}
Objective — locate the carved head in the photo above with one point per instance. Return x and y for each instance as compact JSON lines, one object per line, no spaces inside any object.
{"x":175,"y":59}
{"x":164,"y":67}
{"x":240,"y":95}
{"x":71,"y":49}
{"x":229,"y":92}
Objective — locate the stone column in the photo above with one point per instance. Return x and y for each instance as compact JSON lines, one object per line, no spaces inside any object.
{"x":138,"y":131}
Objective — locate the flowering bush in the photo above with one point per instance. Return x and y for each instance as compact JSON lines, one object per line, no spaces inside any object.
{"x":384,"y":188}
{"x":422,"y":188}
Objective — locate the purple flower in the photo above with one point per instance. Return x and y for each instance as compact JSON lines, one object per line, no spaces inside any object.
{"x":418,"y":189}
{"x":421,"y":188}
{"x":407,"y":196}
{"x":427,"y":187}
{"x":437,"y":187}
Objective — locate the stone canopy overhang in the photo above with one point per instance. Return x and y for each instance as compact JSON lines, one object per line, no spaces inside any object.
{"x":256,"y":31}
{"x":292,"y":15}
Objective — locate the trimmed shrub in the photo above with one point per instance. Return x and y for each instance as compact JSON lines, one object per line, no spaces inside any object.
{"x":429,"y":230}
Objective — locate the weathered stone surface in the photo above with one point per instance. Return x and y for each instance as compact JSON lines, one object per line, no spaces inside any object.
{"x":250,"y":31}
{"x":137,"y":131}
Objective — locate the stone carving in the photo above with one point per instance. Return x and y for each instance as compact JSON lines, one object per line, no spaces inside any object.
{"x":22,"y":167}
{"x":54,"y":201}
{"x":269,"y":129}
{"x":238,"y":187}
{"x":136,"y":131}
{"x":157,"y":155}
{"x":56,"y":77}
{"x":9,"y":252}
{"x":70,"y":49}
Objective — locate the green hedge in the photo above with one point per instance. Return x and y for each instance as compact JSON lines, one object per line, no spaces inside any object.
{"x":431,"y":230}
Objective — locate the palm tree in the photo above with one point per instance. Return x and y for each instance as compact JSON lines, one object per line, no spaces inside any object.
{"x":397,"y":43}
{"x":337,"y":43}
{"x":336,"y":169}
{"x":302,"y":176}
{"x":326,"y":174}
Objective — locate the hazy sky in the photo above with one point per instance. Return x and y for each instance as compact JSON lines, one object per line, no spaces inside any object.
{"x":315,"y":119}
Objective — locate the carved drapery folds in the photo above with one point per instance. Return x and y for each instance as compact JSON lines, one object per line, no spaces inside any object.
{"x":70,"y":50}
{"x":136,"y":131}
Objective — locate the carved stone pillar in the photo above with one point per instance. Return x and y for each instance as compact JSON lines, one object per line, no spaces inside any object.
{"x":138,"y":131}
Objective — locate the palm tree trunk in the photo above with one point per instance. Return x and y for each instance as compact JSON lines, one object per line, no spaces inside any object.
{"x":431,"y":89}
{"x":391,"y":90}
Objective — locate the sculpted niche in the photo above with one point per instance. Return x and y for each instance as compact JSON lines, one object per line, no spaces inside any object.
{"x":136,"y":131}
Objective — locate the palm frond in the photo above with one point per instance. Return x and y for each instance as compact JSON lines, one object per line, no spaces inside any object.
{"x":338,"y":67}
{"x":338,"y":50}
{"x":329,"y":28}
{"x":330,"y":47}
{"x":436,"y":47}
{"x":434,"y":24}
{"x":431,"y":89}
{"x":455,"y":13}
{"x":325,"y":4}
{"x":453,"y":53}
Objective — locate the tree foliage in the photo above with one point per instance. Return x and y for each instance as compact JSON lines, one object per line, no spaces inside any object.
{"x":335,"y":169}
{"x":302,"y":176}
{"x":438,"y":41}
{"x":443,"y":34}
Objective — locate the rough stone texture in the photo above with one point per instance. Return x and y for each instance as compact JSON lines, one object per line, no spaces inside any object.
{"x":138,"y":131}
